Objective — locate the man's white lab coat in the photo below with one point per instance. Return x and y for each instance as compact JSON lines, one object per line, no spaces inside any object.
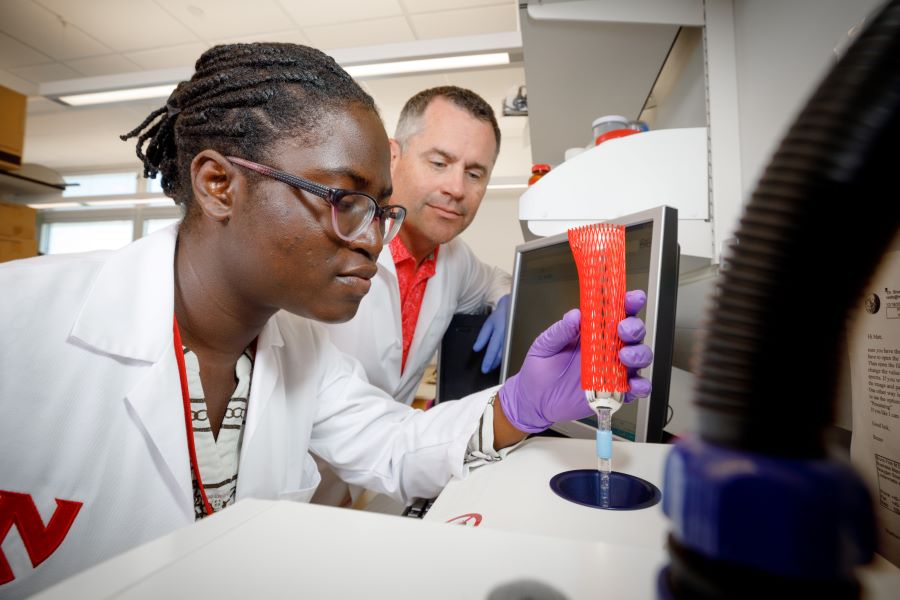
{"x":461,"y":284}
{"x":92,"y":412}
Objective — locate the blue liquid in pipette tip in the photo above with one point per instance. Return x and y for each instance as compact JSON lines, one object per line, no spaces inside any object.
{"x":604,"y":444}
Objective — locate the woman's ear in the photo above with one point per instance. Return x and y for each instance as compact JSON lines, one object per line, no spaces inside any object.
{"x":212,"y":181}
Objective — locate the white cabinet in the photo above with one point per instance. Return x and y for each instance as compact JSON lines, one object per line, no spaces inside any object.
{"x":624,"y":176}
{"x":608,"y":58}
{"x":760,"y":61}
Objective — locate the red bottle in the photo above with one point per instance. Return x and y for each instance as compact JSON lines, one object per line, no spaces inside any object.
{"x":538,"y":171}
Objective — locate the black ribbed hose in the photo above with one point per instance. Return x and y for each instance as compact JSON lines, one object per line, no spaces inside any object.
{"x":810,"y":239}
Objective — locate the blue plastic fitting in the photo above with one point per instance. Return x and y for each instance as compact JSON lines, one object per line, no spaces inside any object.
{"x":806,"y":519}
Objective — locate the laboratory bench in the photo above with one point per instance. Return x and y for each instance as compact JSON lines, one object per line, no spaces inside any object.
{"x":515,"y":532}
{"x":287,"y":549}
{"x":515,"y":494}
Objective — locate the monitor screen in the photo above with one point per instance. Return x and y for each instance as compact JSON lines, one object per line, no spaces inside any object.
{"x":545,"y":286}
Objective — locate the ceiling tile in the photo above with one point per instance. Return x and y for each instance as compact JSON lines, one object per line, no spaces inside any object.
{"x":360,"y":33}
{"x":309,"y":13}
{"x":17,"y":84}
{"x":14,"y":53}
{"x":469,"y":21}
{"x":111,"y":64}
{"x":216,"y":19}
{"x":44,"y":31}
{"x":168,"y":57}
{"x":44,"y":73}
{"x":123,"y":24}
{"x":418,"y":6}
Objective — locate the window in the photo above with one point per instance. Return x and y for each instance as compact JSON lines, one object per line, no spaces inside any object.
{"x":83,"y":236}
{"x":154,"y":186}
{"x":105,"y":211}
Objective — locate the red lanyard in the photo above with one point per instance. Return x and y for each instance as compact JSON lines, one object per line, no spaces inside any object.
{"x":188,"y":419}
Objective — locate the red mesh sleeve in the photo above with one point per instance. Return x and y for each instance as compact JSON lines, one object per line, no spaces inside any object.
{"x":599,"y":252}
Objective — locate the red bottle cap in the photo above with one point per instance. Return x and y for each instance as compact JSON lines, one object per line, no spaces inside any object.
{"x":615,"y":133}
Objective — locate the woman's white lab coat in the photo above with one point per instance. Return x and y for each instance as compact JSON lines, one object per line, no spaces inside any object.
{"x":461,"y":284}
{"x":92,"y":410}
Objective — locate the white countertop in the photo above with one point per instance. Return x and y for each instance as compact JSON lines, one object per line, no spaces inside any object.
{"x":515,"y":494}
{"x":262,"y":549}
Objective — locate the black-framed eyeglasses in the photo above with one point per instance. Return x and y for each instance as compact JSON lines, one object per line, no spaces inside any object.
{"x":351,"y":212}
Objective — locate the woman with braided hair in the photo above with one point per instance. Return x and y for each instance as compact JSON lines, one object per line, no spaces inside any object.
{"x":147,"y":387}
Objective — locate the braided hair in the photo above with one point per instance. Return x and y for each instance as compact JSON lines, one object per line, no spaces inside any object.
{"x":241,"y":98}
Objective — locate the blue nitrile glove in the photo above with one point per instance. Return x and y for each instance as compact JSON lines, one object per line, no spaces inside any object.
{"x":547,"y":389}
{"x":493,"y":333}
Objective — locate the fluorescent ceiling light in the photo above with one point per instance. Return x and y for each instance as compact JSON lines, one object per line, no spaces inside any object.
{"x":142,"y":93}
{"x":446,"y":63}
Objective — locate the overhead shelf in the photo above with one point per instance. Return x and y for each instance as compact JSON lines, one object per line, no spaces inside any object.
{"x":578,"y":70}
{"x":627,"y":175}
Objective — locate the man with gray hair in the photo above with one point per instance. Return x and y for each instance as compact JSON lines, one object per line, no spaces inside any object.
{"x":444,"y":149}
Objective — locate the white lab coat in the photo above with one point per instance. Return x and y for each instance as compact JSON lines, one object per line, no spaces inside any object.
{"x":92,"y":410}
{"x":461,"y":284}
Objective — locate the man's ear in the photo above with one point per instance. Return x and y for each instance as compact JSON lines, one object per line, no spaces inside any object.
{"x":213,"y":185}
{"x":396,"y":151}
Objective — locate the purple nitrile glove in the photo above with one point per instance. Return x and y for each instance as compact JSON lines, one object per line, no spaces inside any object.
{"x":493,"y":333}
{"x":547,"y":389}
{"x":634,"y":354}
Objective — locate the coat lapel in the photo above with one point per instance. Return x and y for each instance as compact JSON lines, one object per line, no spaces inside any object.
{"x":387,"y":270}
{"x":267,"y":383}
{"x":156,"y":402}
{"x":128,"y":312}
{"x":128,"y":316}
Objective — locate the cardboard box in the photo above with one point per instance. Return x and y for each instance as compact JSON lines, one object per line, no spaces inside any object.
{"x":13,"y":249}
{"x":18,"y":221}
{"x":12,"y":128}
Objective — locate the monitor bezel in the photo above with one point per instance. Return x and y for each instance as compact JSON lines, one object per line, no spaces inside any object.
{"x":659,"y":317}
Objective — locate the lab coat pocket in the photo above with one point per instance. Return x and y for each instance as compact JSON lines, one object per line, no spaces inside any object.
{"x":309,"y":481}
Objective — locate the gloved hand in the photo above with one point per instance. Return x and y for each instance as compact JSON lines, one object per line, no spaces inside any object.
{"x":547,"y":389}
{"x":493,"y":333}
{"x":635,"y":355}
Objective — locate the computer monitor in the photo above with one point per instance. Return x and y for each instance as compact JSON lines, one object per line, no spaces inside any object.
{"x":545,"y":286}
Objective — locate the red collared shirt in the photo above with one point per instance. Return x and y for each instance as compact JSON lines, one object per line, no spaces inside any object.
{"x":412,"y":280}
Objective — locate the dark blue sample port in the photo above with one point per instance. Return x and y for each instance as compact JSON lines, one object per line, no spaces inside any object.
{"x":626,"y":492}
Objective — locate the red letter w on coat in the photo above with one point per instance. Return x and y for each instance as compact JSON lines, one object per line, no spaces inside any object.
{"x":40,"y":541}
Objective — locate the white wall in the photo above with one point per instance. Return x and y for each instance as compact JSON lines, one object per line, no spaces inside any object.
{"x":783,"y":48}
{"x":782,"y":51}
{"x":495,"y":232}
{"x":685,"y":105}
